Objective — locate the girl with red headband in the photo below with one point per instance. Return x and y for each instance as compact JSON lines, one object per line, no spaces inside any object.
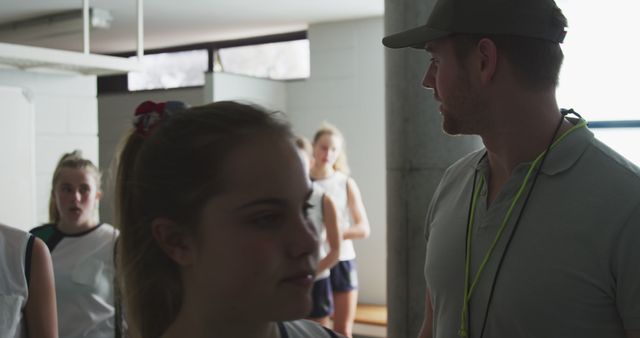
{"x":215,"y":241}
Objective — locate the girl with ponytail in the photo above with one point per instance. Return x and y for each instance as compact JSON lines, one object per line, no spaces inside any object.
{"x":215,"y":241}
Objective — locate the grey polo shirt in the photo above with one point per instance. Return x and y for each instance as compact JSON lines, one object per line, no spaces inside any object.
{"x":573,"y":267}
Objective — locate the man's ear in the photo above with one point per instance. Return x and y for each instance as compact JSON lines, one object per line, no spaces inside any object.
{"x":176,"y":241}
{"x":488,"y":53}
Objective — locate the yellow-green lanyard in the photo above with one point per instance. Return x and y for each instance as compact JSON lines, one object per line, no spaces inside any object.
{"x":468,"y":291}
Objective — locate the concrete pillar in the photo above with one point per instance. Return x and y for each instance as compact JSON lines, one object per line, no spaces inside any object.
{"x":418,"y":152}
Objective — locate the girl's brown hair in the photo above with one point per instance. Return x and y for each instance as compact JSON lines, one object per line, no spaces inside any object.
{"x":172,"y":173}
{"x":303,"y":144}
{"x":72,"y":160}
{"x":329,"y":129}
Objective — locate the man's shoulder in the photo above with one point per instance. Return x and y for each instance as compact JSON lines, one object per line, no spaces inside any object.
{"x":601,"y":171}
{"x":453,"y":179}
{"x":466,"y":163}
{"x":614,"y":161}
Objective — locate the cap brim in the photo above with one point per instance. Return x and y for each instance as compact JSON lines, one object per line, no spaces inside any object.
{"x":415,"y":37}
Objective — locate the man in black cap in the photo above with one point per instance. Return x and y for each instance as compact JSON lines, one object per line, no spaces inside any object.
{"x":537,"y":234}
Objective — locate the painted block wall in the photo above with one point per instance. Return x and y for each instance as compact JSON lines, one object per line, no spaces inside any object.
{"x":116,"y":112}
{"x":17,"y":137}
{"x":66,"y":118}
{"x":346,"y":88}
{"x":270,"y":94}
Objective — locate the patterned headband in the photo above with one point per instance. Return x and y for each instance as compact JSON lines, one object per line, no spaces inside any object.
{"x":149,"y":114}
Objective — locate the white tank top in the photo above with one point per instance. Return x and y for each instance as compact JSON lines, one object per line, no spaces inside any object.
{"x":13,"y":282}
{"x":335,"y":186}
{"x":316,"y":216}
{"x":83,"y":270}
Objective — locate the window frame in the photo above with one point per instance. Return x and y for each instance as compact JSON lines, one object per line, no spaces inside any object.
{"x":614,"y":124}
{"x":115,"y":84}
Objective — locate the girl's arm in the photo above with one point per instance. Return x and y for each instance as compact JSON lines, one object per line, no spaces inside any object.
{"x":330,"y":217}
{"x":426,"y":331}
{"x":40,"y":311}
{"x":360,"y":227}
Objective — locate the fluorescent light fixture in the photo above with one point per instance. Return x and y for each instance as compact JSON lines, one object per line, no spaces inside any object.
{"x":53,"y":25}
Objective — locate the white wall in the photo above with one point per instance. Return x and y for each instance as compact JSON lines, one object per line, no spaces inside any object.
{"x":267,"y":93}
{"x":66,"y":118}
{"x":116,"y":113}
{"x":17,"y":136}
{"x":346,"y":88}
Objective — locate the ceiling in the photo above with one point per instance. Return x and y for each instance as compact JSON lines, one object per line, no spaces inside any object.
{"x":179,"y":22}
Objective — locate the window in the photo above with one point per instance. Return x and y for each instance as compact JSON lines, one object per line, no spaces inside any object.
{"x":279,"y":60}
{"x":282,"y":56}
{"x":170,"y":70}
{"x":600,"y":71}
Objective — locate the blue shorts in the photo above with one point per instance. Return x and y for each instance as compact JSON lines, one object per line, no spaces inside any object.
{"x":344,"y":276}
{"x":322,"y":299}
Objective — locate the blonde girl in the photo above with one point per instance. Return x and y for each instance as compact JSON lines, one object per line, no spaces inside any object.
{"x":324,"y":215}
{"x":81,"y":249}
{"x":331,"y":172}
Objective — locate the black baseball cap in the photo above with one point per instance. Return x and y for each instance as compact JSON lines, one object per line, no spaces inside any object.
{"x":527,"y":18}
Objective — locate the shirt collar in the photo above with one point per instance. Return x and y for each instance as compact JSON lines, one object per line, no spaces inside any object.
{"x":560,"y":158}
{"x":569,"y":150}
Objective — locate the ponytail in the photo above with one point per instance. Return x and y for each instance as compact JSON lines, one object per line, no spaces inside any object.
{"x":156,"y":287}
{"x":169,"y":167}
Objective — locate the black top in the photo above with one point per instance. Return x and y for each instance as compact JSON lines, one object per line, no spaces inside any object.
{"x":51,"y":236}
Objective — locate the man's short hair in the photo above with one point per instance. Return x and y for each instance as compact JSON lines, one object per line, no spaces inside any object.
{"x":536,"y":62}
